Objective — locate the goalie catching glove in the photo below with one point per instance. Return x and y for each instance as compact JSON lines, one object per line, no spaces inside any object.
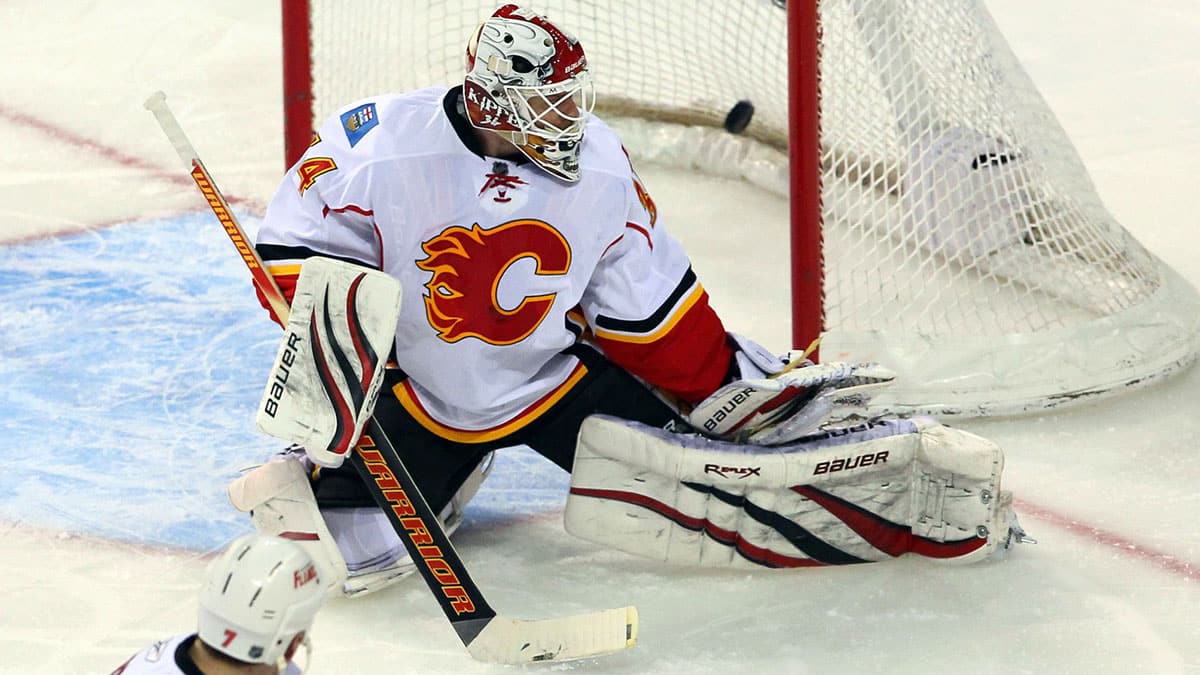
{"x":327,"y":374}
{"x":769,"y":404}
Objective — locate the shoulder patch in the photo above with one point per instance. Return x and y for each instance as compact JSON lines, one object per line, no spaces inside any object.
{"x":358,"y":122}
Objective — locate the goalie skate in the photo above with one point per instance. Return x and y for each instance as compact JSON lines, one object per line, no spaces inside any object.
{"x":1016,"y":534}
{"x":370,"y":578}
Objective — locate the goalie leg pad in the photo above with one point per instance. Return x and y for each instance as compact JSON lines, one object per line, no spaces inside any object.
{"x":375,"y":555}
{"x":279,"y":498}
{"x":280,"y":501}
{"x":863,"y":494}
{"x":356,"y":549}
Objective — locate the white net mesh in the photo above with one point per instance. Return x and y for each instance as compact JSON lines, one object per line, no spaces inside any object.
{"x":965,"y":245}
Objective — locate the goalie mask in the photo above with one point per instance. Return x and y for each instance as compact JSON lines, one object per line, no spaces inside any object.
{"x":257,"y":597}
{"x":528,"y":81}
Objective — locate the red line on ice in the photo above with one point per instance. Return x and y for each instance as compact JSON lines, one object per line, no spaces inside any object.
{"x":1112,"y":540}
{"x":68,"y":137}
{"x":71,"y":138}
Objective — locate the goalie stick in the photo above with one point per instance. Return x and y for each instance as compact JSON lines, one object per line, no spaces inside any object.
{"x":487,"y":636}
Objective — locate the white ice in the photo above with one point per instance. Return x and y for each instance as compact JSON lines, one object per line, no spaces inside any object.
{"x":136,"y":401}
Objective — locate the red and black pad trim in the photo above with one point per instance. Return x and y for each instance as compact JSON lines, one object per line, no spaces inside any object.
{"x":368,"y":360}
{"x":891,"y":538}
{"x":755,"y":554}
{"x":817,"y":549}
{"x":342,"y":413}
{"x":299,"y":536}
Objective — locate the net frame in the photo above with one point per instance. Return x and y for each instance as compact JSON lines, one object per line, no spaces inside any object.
{"x":1081,"y":310}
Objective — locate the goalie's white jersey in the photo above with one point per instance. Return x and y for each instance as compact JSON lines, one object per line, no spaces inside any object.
{"x":502,"y":267}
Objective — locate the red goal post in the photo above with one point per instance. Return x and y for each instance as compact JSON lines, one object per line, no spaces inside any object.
{"x":942,"y":222}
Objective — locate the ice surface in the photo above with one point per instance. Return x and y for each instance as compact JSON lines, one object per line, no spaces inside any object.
{"x":132,"y":352}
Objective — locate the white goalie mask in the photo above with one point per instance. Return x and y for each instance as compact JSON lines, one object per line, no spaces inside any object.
{"x":257,"y":597}
{"x":528,"y":81}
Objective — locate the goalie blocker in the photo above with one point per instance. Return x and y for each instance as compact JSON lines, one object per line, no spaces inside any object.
{"x":329,"y":367}
{"x":866,"y":493}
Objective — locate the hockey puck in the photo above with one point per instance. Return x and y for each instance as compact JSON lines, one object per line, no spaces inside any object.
{"x":739,"y":117}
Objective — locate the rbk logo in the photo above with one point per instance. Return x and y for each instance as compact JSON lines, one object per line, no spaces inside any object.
{"x":461,"y":298}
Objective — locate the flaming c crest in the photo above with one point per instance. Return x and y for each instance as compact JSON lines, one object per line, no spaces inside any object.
{"x":467,"y":265}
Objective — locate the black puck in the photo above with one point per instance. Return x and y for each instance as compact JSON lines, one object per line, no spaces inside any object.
{"x":739,"y":117}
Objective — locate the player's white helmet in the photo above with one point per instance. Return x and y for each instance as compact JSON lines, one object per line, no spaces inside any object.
{"x":528,"y":80}
{"x":257,"y":596}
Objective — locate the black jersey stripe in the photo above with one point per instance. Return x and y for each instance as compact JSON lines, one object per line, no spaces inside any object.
{"x":271,"y":252}
{"x":649,"y":324}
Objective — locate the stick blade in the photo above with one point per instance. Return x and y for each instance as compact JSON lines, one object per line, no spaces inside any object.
{"x":515,"y":641}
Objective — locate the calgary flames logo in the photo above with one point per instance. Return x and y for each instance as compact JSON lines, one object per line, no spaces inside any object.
{"x":467,"y":264}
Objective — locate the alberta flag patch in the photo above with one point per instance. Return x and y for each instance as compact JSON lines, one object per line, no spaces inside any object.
{"x":358,"y":122}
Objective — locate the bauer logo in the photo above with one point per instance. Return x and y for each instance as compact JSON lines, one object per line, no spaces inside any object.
{"x":283,"y":370}
{"x":714,"y":421}
{"x":840,"y":464}
{"x":358,"y":122}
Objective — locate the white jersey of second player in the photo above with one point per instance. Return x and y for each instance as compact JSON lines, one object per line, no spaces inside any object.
{"x":170,"y":657}
{"x":502,"y":266}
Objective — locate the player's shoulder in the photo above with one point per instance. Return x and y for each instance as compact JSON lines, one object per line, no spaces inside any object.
{"x":159,"y":658}
{"x":383,"y":123}
{"x":602,"y":151}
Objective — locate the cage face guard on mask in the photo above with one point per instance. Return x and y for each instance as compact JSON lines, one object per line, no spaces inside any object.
{"x":528,"y":81}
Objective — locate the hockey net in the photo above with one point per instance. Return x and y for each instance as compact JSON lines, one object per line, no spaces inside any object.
{"x":963,"y":242}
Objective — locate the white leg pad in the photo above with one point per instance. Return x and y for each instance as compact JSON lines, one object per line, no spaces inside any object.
{"x":356,"y":549}
{"x":865,"y":494}
{"x":376,"y":556}
{"x":280,"y":501}
{"x":452,"y":514}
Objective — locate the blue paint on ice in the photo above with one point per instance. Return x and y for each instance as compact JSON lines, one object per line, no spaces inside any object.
{"x":132,"y":360}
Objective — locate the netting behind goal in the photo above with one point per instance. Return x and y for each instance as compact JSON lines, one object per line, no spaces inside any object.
{"x":964,"y":244}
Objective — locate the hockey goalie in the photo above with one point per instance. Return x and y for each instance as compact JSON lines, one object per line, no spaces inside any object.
{"x":523,"y":285}
{"x":774,"y":469}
